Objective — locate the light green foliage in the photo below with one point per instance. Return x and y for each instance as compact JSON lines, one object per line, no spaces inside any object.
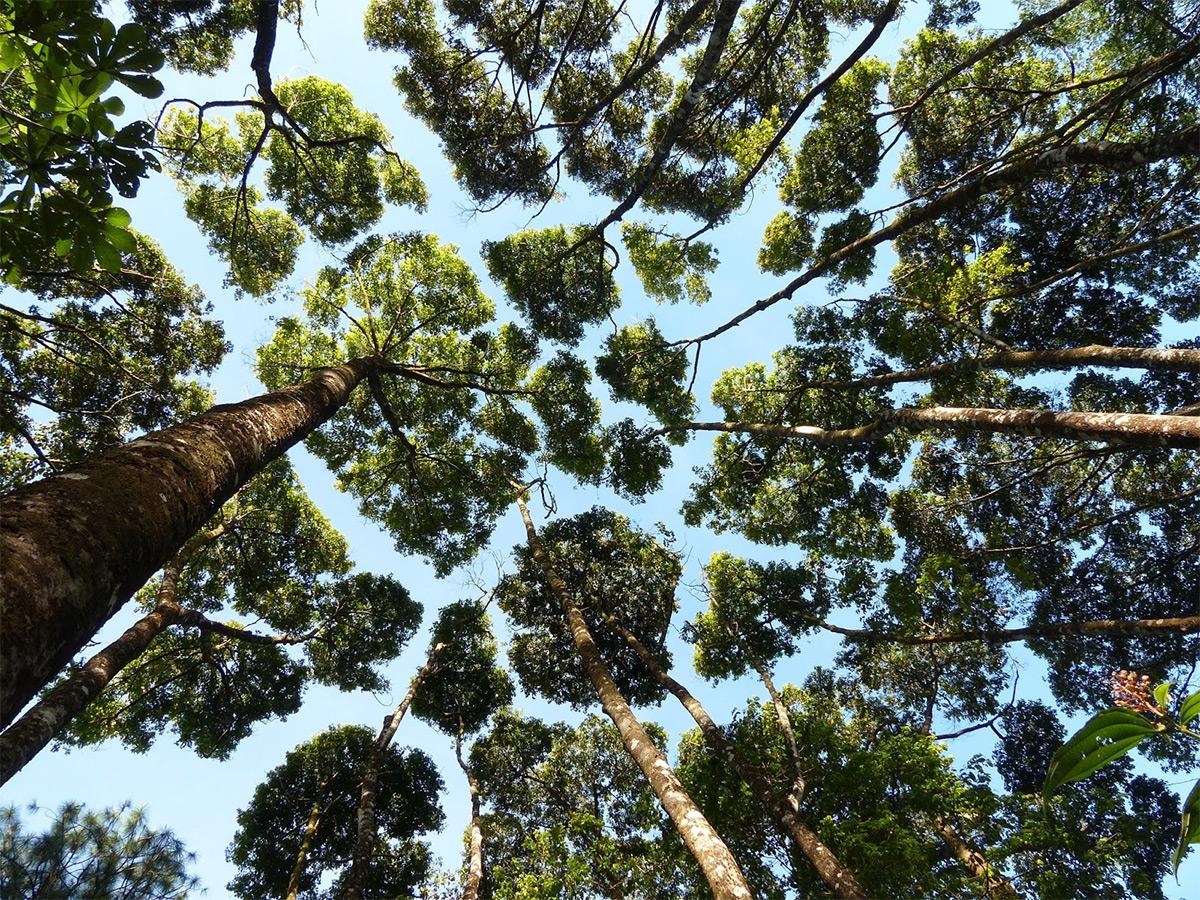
{"x":560,"y":395}
{"x":638,"y":366}
{"x":85,"y":854}
{"x":787,"y":243}
{"x":610,"y":568}
{"x":327,"y":163}
{"x":198,"y":36}
{"x":326,"y":771}
{"x":569,"y":815}
{"x":668,"y":270}
{"x":778,"y":490}
{"x":870,"y":791}
{"x":557,"y":286}
{"x":466,"y":686}
{"x":838,"y":159}
{"x":89,"y":361}
{"x":61,"y":152}
{"x":771,"y":608}
{"x":429,"y":444}
{"x":283,"y":568}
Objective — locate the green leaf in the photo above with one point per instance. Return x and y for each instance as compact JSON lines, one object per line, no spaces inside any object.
{"x":1189,"y":825}
{"x":1161,"y":694}
{"x":1189,"y":708}
{"x":1105,"y":737}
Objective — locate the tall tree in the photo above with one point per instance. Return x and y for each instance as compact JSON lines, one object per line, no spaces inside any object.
{"x":86,"y":854}
{"x":601,"y":558}
{"x":300,"y":826}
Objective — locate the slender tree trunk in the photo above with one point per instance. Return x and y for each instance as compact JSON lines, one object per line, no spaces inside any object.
{"x":836,"y":876}
{"x":781,"y":713}
{"x":995,"y":884}
{"x":75,"y":546}
{"x":364,"y":839}
{"x":1179,"y":625}
{"x":475,"y":861}
{"x":306,"y":842}
{"x":720,"y":869}
{"x":1140,"y":429}
{"x":26,"y":737}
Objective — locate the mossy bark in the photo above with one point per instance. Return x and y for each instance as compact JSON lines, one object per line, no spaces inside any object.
{"x":74,"y":547}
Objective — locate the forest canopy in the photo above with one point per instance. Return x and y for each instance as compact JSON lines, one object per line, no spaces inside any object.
{"x":757,"y":441}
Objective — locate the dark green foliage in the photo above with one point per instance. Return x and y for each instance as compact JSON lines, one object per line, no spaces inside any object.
{"x":466,"y":686}
{"x":557,"y":286}
{"x":611,"y":569}
{"x":281,"y":566}
{"x":636,"y":459}
{"x":569,"y":815}
{"x":639,"y":367}
{"x":326,"y":771}
{"x":84,"y":855}
{"x":88,"y":361}
{"x":61,"y":153}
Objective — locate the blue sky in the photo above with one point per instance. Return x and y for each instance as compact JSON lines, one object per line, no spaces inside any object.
{"x":198,"y":798}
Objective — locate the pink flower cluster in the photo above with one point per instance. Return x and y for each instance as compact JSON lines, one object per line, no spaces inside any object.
{"x":1132,"y":691}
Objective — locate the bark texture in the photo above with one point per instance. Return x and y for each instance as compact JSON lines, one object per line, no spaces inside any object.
{"x":474,"y":885}
{"x":1138,"y":429}
{"x":306,"y":842}
{"x":720,"y":869}
{"x":26,"y":737}
{"x":840,"y":880}
{"x":365,"y":834}
{"x":995,"y":884}
{"x":74,"y":547}
{"x":1177,"y":625}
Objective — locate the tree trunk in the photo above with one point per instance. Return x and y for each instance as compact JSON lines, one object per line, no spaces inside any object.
{"x":306,"y":842}
{"x":836,"y":876}
{"x":25,"y":738}
{"x":474,"y":883}
{"x":720,"y":869}
{"x":995,"y":884}
{"x":364,"y":839}
{"x":1179,"y":625}
{"x":1162,"y":359}
{"x":1140,"y":429}
{"x":74,"y":547}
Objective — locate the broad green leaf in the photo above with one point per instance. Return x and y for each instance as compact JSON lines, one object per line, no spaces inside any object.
{"x":1189,"y":825}
{"x":1108,"y":735}
{"x":1189,"y":709}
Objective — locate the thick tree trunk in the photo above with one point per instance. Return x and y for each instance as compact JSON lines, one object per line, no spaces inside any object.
{"x":995,"y":884}
{"x":720,"y":869}
{"x":26,"y":737}
{"x":1140,"y":429}
{"x":836,"y":876}
{"x":474,"y":885}
{"x":365,"y":835}
{"x":306,"y":842}
{"x":74,"y":547}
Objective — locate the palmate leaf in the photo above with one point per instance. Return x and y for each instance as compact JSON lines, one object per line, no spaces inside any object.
{"x":1189,"y":825}
{"x":1189,"y":708}
{"x":1105,"y":737}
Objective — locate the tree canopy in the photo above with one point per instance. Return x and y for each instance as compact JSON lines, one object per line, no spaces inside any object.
{"x":839,"y":360}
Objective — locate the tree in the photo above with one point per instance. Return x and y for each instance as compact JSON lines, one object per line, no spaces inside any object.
{"x":91,"y":854}
{"x":300,"y":826}
{"x":458,"y":697}
{"x":641,"y":573}
{"x":568,"y":813}
{"x":269,"y":555}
